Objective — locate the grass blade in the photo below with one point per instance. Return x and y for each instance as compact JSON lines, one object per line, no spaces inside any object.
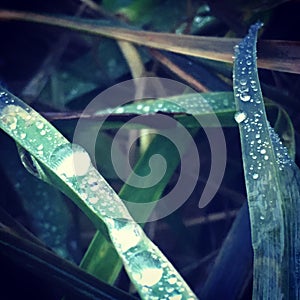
{"x":267,"y":168}
{"x":69,"y":168}
{"x":109,"y":259}
{"x":276,"y":55}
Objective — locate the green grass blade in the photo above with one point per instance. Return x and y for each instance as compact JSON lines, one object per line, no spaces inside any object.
{"x":69,"y":168}
{"x":222,"y":104}
{"x":108,"y":258}
{"x":272,"y":182}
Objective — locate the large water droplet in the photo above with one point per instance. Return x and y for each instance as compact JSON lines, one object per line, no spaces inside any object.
{"x":124,"y":234}
{"x":240,"y":116}
{"x":146,"y":269}
{"x":70,"y":160}
{"x":30,"y":163}
{"x":245,"y":97}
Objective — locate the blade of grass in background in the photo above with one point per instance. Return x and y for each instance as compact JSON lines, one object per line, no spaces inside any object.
{"x":277,"y":55}
{"x":19,"y":247}
{"x":272,"y":182}
{"x":69,"y":168}
{"x":47,"y":212}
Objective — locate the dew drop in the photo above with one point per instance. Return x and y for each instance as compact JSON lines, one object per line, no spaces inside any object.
{"x":255,"y":176}
{"x":146,"y":108}
{"x":263,"y":151}
{"x":83,"y":196}
{"x":146,"y":270}
{"x":243,"y":81}
{"x":70,"y":160}
{"x":120,"y":110}
{"x":124,"y":234}
{"x":93,"y":184}
{"x":23,"y":135}
{"x":94,"y":200}
{"x":245,"y":97}
{"x":240,"y":116}
{"x":176,"y":297}
{"x":172,"y":280}
{"x":39,"y":125}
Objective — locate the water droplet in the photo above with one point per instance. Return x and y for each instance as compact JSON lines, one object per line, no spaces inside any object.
{"x":245,"y":97}
{"x":94,"y":200}
{"x":23,"y":135}
{"x":146,"y":108}
{"x":243,"y":81}
{"x":124,"y":234}
{"x":255,"y":176}
{"x":70,"y":160}
{"x":266,"y":157}
{"x":240,"y":116}
{"x":83,"y":196}
{"x":263,"y":151}
{"x":146,"y":270}
{"x":176,"y":297}
{"x":120,"y":110}
{"x":197,"y":19}
{"x":43,"y":132}
{"x":39,"y":125}
{"x":93,"y":184}
{"x":172,"y":279}
{"x":30,"y":163}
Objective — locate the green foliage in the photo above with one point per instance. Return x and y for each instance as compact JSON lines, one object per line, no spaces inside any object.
{"x":267,"y":167}
{"x":78,"y":66}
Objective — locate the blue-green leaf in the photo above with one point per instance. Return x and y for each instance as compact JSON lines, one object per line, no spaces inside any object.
{"x":272,"y":182}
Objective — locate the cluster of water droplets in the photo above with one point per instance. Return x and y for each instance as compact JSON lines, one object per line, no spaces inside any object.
{"x":260,"y":142}
{"x":154,"y":276}
{"x":247,"y":91}
{"x":147,"y":267}
{"x":73,"y":165}
{"x":24,"y":124}
{"x":189,"y":103}
{"x":281,"y":152}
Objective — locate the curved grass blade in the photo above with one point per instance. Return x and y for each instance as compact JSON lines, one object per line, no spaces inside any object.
{"x":157,"y":146}
{"x":272,"y":182}
{"x":69,"y":168}
{"x":222,"y":104}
